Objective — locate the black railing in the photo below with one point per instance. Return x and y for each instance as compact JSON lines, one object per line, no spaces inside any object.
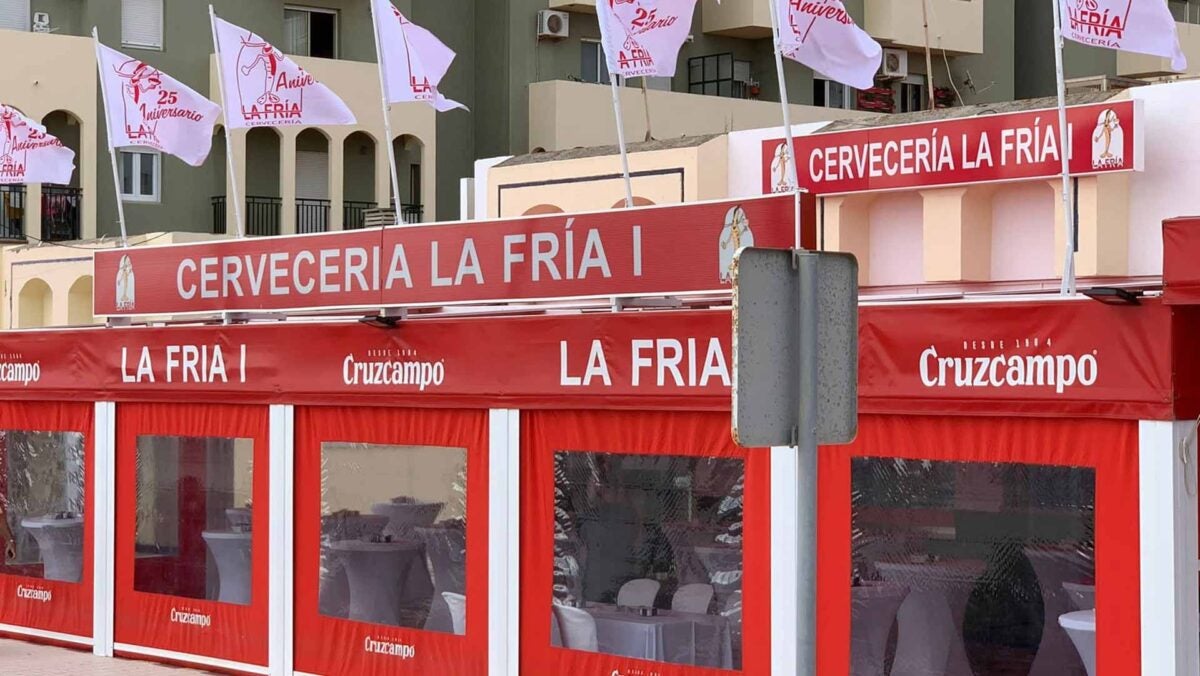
{"x":261,"y":216}
{"x":312,"y":216}
{"x":412,"y":213}
{"x":61,"y":207}
{"x":12,"y":212}
{"x":354,"y":214}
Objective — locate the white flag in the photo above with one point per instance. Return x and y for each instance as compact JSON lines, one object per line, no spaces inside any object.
{"x":146,"y":107}
{"x":821,"y":35}
{"x":413,"y":60}
{"x":28,"y":154}
{"x":264,"y":88}
{"x":642,"y":38}
{"x":1142,"y":26}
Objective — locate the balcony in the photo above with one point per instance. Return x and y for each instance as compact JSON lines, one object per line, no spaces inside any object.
{"x":1141,"y":65}
{"x":750,"y":19}
{"x":354,"y":214}
{"x":954,"y":25}
{"x":61,"y":208}
{"x":585,"y":6}
{"x":312,"y":216}
{"x":12,"y":212}
{"x":261,"y":216}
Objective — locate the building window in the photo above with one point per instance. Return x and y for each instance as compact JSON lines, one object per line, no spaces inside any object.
{"x":831,"y":94}
{"x":913,"y":97}
{"x":1185,"y":11}
{"x":719,"y":75}
{"x":592,"y":65}
{"x":308,"y":31}
{"x":141,"y":176}
{"x":142,"y":23}
{"x":14,"y":14}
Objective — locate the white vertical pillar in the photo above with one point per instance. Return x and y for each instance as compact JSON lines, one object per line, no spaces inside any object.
{"x":504,"y":543}
{"x":103,"y":490}
{"x":785,"y":547}
{"x":280,"y":549}
{"x":1168,"y":549}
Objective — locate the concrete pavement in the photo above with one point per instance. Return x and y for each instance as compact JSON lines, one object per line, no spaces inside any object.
{"x":29,"y":659}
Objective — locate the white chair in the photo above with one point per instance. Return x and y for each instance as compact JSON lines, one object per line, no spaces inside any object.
{"x":638,"y":593}
{"x":578,"y":629}
{"x":692,"y":598}
{"x":458,"y":611}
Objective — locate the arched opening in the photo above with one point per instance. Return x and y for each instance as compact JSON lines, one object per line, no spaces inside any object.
{"x":263,"y":201}
{"x":79,"y":303}
{"x":216,"y":168}
{"x":358,"y":179}
{"x":312,"y":181}
{"x":638,"y":201}
{"x":409,"y":155}
{"x":542,"y":210}
{"x":61,"y":204}
{"x":35,"y":305}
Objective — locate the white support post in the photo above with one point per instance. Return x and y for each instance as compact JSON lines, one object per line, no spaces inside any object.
{"x":235,"y":195}
{"x":103,"y":494}
{"x":1168,"y":549}
{"x":281,"y":622}
{"x":504,"y":543}
{"x":387,"y":115}
{"x":785,"y":550}
{"x":1064,"y":146}
{"x":112,"y":150}
{"x":793,"y":170}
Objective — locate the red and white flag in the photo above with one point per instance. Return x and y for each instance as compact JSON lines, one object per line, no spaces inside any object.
{"x":147,"y":107}
{"x":1142,"y":26}
{"x":28,"y":154}
{"x":642,"y":38}
{"x":822,"y":35}
{"x":264,"y":88}
{"x":413,"y":60}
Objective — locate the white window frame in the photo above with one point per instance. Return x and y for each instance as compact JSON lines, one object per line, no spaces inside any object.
{"x":156,"y":195}
{"x":337,"y":21}
{"x":162,"y":38}
{"x":849,"y":94}
{"x":601,"y":60}
{"x":28,"y":17}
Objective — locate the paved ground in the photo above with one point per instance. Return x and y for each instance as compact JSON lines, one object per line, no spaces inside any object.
{"x":29,"y":659}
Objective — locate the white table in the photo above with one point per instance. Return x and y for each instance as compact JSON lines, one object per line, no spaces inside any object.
{"x":1053,"y":567}
{"x":671,"y":637}
{"x":334,"y":595}
{"x":873,"y":611}
{"x":60,"y":542}
{"x":383,"y":576}
{"x":1081,"y":627}
{"x":231,"y":551}
{"x":931,"y":617}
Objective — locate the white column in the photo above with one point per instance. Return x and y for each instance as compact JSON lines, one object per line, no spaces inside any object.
{"x":103,"y":490}
{"x":280,"y":622}
{"x":1167,"y":496}
{"x":785,"y":547}
{"x":504,"y":543}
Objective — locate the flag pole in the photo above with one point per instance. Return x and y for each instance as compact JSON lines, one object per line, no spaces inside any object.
{"x":616,"y":97}
{"x":233,"y":182}
{"x":790,"y":155}
{"x":112,"y":151}
{"x":1064,"y":146}
{"x":387,"y":117}
{"x":929,"y":56}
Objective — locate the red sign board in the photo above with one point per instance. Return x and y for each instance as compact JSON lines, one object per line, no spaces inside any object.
{"x":1021,"y":358}
{"x":653,"y":251}
{"x":1013,"y":146}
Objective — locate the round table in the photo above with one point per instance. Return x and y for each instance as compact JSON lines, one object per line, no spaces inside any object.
{"x":60,"y":542}
{"x":375,"y":571}
{"x":1053,"y":567}
{"x":873,"y":610}
{"x":334,"y":594}
{"x":1081,"y":627}
{"x":930,"y":618}
{"x":231,"y":551}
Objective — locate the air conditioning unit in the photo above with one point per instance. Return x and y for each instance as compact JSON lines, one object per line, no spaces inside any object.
{"x":41,"y":22}
{"x":895,"y":63}
{"x":553,"y":24}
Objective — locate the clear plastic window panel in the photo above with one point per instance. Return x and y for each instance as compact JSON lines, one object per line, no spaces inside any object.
{"x":972,"y":568}
{"x":648,"y":557}
{"x":194,"y":517}
{"x":43,"y":498}
{"x":394,"y":535}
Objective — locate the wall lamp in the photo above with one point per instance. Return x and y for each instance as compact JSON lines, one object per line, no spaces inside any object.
{"x":1111,"y":295}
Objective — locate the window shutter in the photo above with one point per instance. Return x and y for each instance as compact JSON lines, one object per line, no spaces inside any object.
{"x":141,"y":23}
{"x":14,"y":14}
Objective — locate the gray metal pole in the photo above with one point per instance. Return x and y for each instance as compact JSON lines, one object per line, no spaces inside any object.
{"x":1064,"y":150}
{"x":806,"y":447}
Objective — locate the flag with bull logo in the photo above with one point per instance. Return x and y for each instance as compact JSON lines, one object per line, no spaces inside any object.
{"x":822,"y":35}
{"x":642,"y":38}
{"x":147,"y":107}
{"x":413,"y":60}
{"x":1142,"y":26}
{"x":264,"y":88}
{"x":30,"y":155}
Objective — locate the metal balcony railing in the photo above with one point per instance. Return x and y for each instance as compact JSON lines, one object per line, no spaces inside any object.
{"x":354,"y":214}
{"x":312,"y":216}
{"x":262,"y":216}
{"x":12,"y":212}
{"x":412,"y":213}
{"x":61,"y":208}
{"x":218,"y":215}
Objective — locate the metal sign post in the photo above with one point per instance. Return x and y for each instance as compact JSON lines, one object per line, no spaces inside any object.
{"x":795,"y":355}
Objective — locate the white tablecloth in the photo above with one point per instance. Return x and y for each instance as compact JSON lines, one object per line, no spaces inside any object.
{"x":677,"y":638}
